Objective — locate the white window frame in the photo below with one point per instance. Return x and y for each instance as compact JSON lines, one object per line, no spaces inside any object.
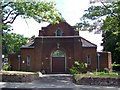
{"x":28,"y":60}
{"x":88,"y":60}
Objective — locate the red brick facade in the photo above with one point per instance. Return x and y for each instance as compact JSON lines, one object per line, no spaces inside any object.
{"x":105,"y":60}
{"x":62,"y":38}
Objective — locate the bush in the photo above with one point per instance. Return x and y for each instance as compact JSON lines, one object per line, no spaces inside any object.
{"x":78,"y":67}
{"x":115,"y":67}
{"x":7,"y":67}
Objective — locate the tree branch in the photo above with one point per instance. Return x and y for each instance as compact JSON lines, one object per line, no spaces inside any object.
{"x":3,"y":6}
{"x":7,"y":16}
{"x":12,"y":20}
{"x":108,"y":9}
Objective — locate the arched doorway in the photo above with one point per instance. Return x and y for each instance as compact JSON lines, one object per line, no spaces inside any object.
{"x":58,"y":61}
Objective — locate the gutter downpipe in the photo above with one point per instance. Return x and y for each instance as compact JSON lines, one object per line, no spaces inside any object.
{"x":18,"y":62}
{"x":98,"y":55}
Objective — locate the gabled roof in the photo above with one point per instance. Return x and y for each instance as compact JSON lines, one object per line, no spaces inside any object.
{"x":50,"y":30}
{"x":60,"y":23}
{"x":29,"y":45}
{"x":86,"y":43}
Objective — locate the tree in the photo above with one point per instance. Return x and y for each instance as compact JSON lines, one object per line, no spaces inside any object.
{"x":38,"y":10}
{"x":105,"y":18}
{"x":12,"y":43}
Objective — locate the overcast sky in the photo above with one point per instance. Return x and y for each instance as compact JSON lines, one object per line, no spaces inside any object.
{"x":72,"y":11}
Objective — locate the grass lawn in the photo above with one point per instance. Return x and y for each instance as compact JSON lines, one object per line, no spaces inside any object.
{"x":16,"y":72}
{"x":97,"y":75}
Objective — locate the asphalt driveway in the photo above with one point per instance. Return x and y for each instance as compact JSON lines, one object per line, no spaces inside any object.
{"x":52,"y":82}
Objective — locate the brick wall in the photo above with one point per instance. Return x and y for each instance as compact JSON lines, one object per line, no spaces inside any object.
{"x":50,"y":30}
{"x":105,"y":60}
{"x":19,"y":77}
{"x":24,"y":53}
{"x":13,"y":59}
{"x":45,"y":45}
{"x":93,"y":56}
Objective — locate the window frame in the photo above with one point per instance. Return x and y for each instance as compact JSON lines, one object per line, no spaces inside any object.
{"x":58,"y":32}
{"x":88,"y":59}
{"x":28,"y":60}
{"x":54,"y":54}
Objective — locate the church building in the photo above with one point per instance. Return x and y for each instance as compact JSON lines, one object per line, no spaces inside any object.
{"x":55,"y":50}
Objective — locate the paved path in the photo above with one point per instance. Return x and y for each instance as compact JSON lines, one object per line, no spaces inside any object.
{"x":52,"y":82}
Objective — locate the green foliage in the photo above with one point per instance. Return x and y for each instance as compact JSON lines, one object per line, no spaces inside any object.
{"x":12,"y":42}
{"x":106,"y":19}
{"x":7,"y":67}
{"x":115,"y":67}
{"x":10,"y":10}
{"x":78,"y":67}
{"x":114,"y":64}
{"x":105,"y":73}
{"x":39,"y":10}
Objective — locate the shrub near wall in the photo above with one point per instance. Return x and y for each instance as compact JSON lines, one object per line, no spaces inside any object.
{"x":92,"y":80}
{"x":78,"y":67}
{"x":19,"y":77}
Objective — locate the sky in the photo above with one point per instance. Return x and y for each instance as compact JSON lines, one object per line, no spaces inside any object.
{"x":71,"y":10}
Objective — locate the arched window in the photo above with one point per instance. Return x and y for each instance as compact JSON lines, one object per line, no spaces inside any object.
{"x":59,"y":32}
{"x":58,"y":53}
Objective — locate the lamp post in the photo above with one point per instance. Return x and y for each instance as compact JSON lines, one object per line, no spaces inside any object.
{"x":98,"y":61}
{"x":18,"y":62}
